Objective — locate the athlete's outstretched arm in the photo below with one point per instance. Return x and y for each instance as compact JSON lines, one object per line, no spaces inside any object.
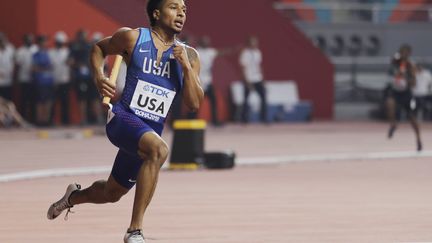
{"x":192,"y":91}
{"x":122,"y":43}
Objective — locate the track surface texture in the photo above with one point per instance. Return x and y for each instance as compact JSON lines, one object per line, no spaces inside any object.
{"x":292,"y":198}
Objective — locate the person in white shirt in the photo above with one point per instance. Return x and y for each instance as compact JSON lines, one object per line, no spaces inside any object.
{"x":207,"y":56}
{"x":23,"y":65}
{"x":250,"y":62}
{"x":6,"y":67}
{"x":423,"y":90}
{"x":59,"y":56}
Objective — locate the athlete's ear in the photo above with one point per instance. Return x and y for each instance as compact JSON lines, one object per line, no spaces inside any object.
{"x":156,"y":14}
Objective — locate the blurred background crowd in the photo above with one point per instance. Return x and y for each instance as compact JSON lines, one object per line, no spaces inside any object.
{"x":321,"y":59}
{"x":41,"y":77}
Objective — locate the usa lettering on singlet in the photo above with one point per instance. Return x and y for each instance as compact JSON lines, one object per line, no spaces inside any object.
{"x":151,"y":101}
{"x":151,"y":84}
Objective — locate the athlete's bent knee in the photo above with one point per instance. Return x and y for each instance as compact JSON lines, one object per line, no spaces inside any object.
{"x":155,"y":154}
{"x":159,"y":153}
{"x":163,"y":153}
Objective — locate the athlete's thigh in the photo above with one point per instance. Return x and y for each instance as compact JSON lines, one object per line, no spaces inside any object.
{"x":126,"y":165}
{"x":125,"y":130}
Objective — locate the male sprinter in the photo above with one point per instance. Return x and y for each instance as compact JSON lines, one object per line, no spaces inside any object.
{"x":159,"y":67}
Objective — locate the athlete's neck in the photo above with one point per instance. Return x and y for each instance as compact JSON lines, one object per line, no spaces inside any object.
{"x":166,"y":38}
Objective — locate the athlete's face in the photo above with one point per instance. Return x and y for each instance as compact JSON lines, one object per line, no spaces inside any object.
{"x":172,"y":15}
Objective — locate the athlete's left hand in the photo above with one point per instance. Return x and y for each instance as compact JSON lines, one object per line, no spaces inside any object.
{"x":180,"y":54}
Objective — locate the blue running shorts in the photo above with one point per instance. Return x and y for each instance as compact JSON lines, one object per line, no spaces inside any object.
{"x":124,"y":129}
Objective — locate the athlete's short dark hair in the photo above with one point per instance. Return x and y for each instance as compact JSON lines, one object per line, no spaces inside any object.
{"x":152,"y":5}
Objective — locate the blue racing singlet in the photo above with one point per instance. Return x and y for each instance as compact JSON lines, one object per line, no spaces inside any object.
{"x":151,"y":88}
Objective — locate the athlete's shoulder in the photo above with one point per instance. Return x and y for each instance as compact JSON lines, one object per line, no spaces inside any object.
{"x":126,"y":33}
{"x":192,"y":53}
{"x":124,"y":39}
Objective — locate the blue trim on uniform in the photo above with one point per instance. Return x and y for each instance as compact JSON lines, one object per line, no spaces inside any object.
{"x":136,"y":45}
{"x":147,"y":34}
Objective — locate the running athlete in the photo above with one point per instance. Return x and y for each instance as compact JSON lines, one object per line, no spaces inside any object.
{"x":400,"y":93}
{"x":159,"y":68}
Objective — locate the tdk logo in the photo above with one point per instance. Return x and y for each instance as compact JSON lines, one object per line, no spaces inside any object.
{"x":156,"y":91}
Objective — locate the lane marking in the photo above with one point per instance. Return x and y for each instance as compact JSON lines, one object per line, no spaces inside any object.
{"x":60,"y":172}
{"x":334,"y":157}
{"x":37,"y":174}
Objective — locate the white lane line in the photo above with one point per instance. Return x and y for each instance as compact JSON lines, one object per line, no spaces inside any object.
{"x":333,"y":157}
{"x":36,"y":174}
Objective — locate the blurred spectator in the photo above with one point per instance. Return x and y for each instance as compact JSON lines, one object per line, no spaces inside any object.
{"x":88,"y":96}
{"x":59,"y":56}
{"x":23,"y":64}
{"x":207,"y":56}
{"x":6,"y":67}
{"x":250,"y":62}
{"x":9,"y":116}
{"x":44,"y":82}
{"x":423,"y":91}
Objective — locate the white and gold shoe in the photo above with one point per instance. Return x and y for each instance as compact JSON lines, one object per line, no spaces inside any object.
{"x":58,"y":207}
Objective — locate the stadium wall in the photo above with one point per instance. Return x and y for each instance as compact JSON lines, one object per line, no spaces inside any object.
{"x":17,"y":18}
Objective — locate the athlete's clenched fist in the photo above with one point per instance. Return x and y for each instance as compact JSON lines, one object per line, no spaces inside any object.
{"x":106,"y":89}
{"x":180,"y":54}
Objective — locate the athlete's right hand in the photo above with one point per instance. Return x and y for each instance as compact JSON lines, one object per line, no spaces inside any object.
{"x":106,"y":89}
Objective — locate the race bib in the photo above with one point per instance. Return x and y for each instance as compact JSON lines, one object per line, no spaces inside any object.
{"x":151,"y":101}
